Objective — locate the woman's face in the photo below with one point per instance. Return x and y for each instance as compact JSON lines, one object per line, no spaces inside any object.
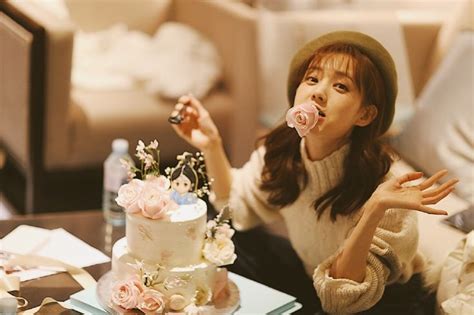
{"x":182,"y":184}
{"x":330,"y":85}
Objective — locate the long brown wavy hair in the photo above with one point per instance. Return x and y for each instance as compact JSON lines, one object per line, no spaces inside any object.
{"x":368,"y":160}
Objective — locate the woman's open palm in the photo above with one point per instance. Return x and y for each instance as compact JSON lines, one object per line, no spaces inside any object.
{"x":395,"y":194}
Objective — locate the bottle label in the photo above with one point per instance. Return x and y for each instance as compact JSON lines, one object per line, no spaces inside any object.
{"x":113,"y":180}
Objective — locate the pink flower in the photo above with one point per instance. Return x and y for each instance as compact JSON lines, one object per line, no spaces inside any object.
{"x":155,"y":203}
{"x":302,"y":117}
{"x":129,"y":194}
{"x":160,"y":182}
{"x":221,"y":285}
{"x":126,"y":293}
{"x":151,"y":302}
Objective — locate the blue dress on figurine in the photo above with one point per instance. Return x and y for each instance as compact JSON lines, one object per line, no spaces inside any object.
{"x":183,"y":199}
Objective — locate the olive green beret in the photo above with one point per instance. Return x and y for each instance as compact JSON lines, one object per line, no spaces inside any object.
{"x":368,"y":46}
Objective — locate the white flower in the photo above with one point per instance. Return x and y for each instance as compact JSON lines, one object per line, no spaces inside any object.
{"x":153,"y":145}
{"x":219,"y":251}
{"x":140,"y":146}
{"x":149,"y":160}
{"x":224,"y":231}
{"x":129,"y":195}
{"x":203,"y":295}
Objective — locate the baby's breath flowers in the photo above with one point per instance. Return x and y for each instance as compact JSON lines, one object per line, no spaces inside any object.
{"x":149,"y":157}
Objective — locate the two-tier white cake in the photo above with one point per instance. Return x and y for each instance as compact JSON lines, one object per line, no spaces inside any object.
{"x":171,"y":258}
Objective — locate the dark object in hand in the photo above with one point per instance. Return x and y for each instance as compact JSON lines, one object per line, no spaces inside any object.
{"x":177,"y":116}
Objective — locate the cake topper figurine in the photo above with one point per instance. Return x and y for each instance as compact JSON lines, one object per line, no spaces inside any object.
{"x":188,"y":179}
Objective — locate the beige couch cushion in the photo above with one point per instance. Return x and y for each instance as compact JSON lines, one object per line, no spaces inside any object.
{"x":141,"y":15}
{"x":98,"y":117}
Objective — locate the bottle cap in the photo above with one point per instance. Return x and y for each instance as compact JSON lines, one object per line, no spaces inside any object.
{"x":120,"y":146}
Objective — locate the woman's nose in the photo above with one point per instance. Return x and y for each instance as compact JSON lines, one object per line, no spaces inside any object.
{"x":319,"y":96}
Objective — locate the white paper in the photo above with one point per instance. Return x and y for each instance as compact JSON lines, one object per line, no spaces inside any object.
{"x":57,"y":244}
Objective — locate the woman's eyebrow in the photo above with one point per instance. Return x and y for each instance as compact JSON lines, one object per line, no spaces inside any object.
{"x":336,"y":72}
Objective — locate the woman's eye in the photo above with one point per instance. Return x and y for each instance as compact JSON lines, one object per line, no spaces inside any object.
{"x":186,"y":185}
{"x":177,"y":184}
{"x":312,"y":79}
{"x":341,"y":87}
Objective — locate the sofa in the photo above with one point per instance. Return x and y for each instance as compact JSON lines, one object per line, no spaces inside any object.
{"x":56,"y":136}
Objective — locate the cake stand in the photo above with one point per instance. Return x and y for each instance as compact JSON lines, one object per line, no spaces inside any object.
{"x":227,"y":306}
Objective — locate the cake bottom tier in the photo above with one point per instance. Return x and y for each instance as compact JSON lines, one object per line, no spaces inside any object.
{"x":181,"y":286}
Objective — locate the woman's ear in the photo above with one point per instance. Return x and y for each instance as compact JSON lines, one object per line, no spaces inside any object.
{"x":367,"y":115}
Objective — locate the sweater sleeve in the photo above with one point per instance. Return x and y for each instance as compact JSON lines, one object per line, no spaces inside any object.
{"x":246,"y":200}
{"x":392,"y":258}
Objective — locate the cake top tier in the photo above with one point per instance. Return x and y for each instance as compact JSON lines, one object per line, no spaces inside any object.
{"x":163,"y":197}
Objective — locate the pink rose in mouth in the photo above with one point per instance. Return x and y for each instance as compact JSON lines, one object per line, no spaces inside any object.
{"x":302,"y":117}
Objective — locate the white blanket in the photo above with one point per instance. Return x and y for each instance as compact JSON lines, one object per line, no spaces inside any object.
{"x":175,"y":61}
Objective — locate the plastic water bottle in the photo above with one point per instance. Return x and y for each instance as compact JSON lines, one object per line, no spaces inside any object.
{"x":115,"y":175}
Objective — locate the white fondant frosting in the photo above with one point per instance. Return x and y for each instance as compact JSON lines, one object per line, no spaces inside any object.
{"x":176,"y":242}
{"x":179,"y":281}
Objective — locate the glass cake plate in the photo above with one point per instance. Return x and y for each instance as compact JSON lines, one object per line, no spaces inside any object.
{"x":227,"y":306}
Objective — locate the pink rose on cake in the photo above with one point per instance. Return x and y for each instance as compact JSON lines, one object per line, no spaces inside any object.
{"x":129,"y":194}
{"x":302,"y":117}
{"x":125,"y":294}
{"x":155,"y":203}
{"x":151,"y":302}
{"x":160,"y":182}
{"x":220,"y":251}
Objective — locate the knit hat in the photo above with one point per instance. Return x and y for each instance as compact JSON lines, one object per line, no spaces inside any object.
{"x":368,"y":46}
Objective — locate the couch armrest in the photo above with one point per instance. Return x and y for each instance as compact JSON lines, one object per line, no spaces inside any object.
{"x":16,"y":46}
{"x":231,"y":26}
{"x":57,"y":68}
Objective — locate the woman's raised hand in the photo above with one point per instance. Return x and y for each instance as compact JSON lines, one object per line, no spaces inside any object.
{"x":196,"y":127}
{"x":394,"y":193}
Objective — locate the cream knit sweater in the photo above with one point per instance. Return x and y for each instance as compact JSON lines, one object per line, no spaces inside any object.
{"x":393,"y":255}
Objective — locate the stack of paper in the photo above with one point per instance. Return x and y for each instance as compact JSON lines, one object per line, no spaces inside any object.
{"x":58,"y":244}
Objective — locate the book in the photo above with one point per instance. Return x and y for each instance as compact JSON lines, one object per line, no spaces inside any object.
{"x":257,"y":298}
{"x":86,"y":302}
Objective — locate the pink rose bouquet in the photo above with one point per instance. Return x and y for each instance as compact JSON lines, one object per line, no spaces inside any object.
{"x":302,"y":117}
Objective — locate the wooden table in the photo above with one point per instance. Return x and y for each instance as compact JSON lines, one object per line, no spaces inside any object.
{"x":90,"y":227}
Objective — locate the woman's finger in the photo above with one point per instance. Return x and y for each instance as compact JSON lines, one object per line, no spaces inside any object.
{"x":433,"y":179}
{"x":434,"y":191}
{"x":196,"y":104}
{"x":429,"y":210}
{"x":409,"y":177}
{"x":437,"y":198}
{"x":179,"y":131}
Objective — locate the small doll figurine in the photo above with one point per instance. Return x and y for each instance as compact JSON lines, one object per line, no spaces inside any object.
{"x":184,"y":181}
